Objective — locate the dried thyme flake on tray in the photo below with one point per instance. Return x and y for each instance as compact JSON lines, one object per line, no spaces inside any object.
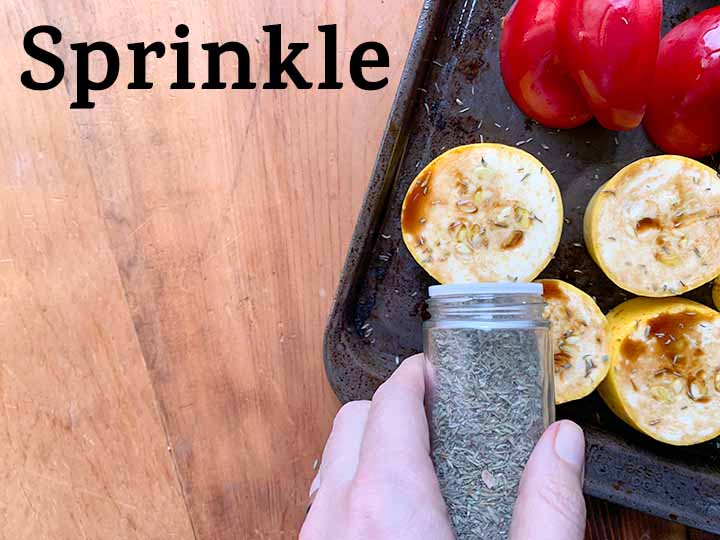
{"x":486,"y":415}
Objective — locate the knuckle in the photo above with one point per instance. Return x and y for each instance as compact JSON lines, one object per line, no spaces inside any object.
{"x":365,"y":504}
{"x":350,"y":412}
{"x":381,"y":394}
{"x":566,"y":499}
{"x":381,"y":475}
{"x":402,"y":389}
{"x":388,"y":392}
{"x":383,"y":482}
{"x":370,"y":498}
{"x":366,"y":487}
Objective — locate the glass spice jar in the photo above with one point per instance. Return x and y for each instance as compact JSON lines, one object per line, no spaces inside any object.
{"x":490,"y":398}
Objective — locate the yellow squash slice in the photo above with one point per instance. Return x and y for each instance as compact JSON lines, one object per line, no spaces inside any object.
{"x":664,"y":378}
{"x":654,"y":227}
{"x":483,"y":213}
{"x":580,"y":337}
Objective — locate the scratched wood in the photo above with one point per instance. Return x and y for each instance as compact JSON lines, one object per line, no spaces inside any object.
{"x":167,"y":262}
{"x":228,"y":214}
{"x":83,"y":453}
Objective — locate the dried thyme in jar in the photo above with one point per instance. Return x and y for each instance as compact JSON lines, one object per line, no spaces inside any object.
{"x":491,"y":397}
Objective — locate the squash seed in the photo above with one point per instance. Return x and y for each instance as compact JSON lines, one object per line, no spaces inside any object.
{"x":478,"y":197}
{"x":466,"y":206}
{"x":503,"y":218}
{"x":523,"y":217}
{"x":513,"y":240}
{"x":661,"y":393}
{"x":697,"y":386}
{"x":476,"y":236}
{"x":483,"y":174}
{"x":668,"y":259}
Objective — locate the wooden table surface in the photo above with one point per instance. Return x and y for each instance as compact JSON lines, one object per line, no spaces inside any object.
{"x":167,"y":262}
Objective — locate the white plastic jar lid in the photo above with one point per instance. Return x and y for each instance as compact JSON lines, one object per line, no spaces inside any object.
{"x":486,"y":288}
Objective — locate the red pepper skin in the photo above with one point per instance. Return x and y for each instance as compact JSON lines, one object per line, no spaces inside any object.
{"x":610,"y":47}
{"x":683,"y":115}
{"x":531,"y":69}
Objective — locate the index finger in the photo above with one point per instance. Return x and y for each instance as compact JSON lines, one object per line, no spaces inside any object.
{"x":397,"y":428}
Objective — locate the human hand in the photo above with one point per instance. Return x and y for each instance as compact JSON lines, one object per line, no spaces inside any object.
{"x":550,"y":503}
{"x":377,"y":480}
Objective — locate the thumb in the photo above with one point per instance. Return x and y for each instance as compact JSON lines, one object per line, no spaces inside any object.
{"x":550,"y":503}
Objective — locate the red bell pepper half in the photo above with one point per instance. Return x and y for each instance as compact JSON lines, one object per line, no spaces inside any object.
{"x":610,"y":48}
{"x":683,"y":115}
{"x":530,"y":63}
{"x":565,"y":60}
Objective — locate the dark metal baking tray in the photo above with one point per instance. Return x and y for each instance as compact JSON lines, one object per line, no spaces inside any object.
{"x":376,"y":318}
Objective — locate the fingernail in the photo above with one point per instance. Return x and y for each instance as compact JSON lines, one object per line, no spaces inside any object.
{"x":570,"y":445}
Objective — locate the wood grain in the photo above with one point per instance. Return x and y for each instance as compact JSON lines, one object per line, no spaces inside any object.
{"x":607,"y":521}
{"x":228,"y":214}
{"x":700,"y":535}
{"x":167,"y":262}
{"x":83,"y":453}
